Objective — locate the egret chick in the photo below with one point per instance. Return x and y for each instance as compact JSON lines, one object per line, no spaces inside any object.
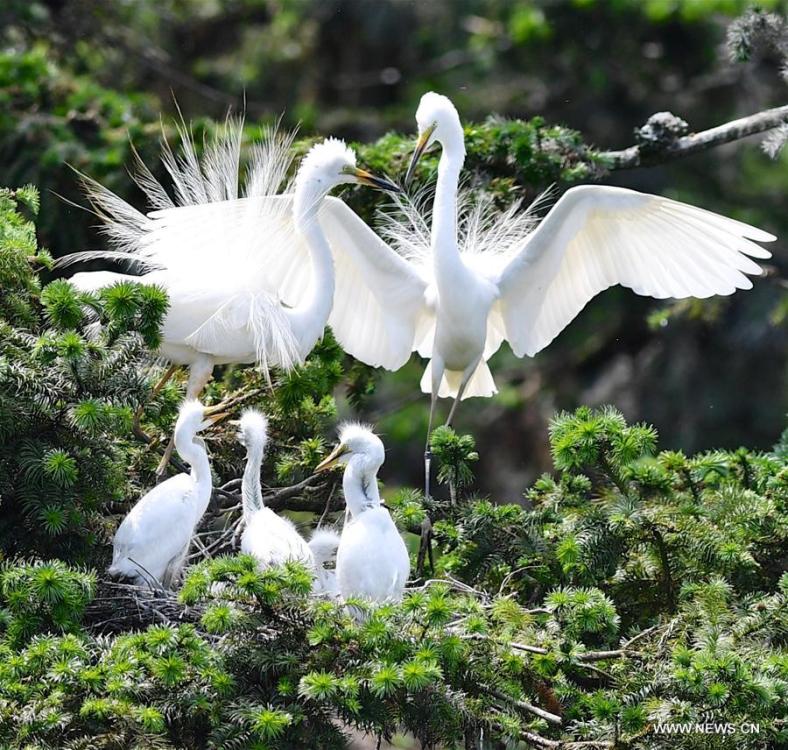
{"x":372,"y":560}
{"x":151,"y":544}
{"x":324,"y":543}
{"x":273,"y":540}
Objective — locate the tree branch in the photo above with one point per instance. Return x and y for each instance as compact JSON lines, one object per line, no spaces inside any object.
{"x":539,"y":741}
{"x":605,"y":655}
{"x":302,"y":496}
{"x":528,"y":707}
{"x":649,"y":153}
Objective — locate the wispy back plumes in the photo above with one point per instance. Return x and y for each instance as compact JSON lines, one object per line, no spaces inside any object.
{"x":485,"y":234}
{"x":205,"y":240}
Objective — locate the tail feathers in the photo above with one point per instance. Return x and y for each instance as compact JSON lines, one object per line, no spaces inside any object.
{"x":481,"y":383}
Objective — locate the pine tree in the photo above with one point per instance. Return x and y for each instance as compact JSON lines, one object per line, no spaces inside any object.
{"x":67,"y":393}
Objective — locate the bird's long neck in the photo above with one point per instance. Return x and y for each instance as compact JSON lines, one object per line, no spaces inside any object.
{"x":310,"y":316}
{"x":251,"y":491}
{"x":445,"y":250}
{"x":360,"y":486}
{"x":194,"y":454}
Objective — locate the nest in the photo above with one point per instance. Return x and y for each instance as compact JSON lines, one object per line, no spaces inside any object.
{"x":121,"y":607}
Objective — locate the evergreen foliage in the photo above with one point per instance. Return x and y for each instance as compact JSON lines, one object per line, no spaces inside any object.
{"x":631,"y":587}
{"x":634,"y":586}
{"x":67,"y":391}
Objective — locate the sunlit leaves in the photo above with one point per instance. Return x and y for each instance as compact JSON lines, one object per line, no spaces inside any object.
{"x":418,"y":674}
{"x":151,"y":719}
{"x":60,"y":467}
{"x":319,"y":686}
{"x":582,"y":611}
{"x":219,"y":618}
{"x":43,"y":594}
{"x":385,"y":680}
{"x":170,"y":669}
{"x":132,"y":306}
{"x":455,"y":455}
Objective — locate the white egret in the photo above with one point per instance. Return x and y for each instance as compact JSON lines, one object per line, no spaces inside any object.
{"x":593,"y":238}
{"x":272,"y":539}
{"x":151,"y":544}
{"x":324,"y":543}
{"x":506,"y":280}
{"x":219,"y":257}
{"x":372,"y":560}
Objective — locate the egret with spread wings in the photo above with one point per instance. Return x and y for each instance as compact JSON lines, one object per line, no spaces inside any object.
{"x":224,"y":261}
{"x":505,"y":279}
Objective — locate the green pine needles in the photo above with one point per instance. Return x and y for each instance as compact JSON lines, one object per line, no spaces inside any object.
{"x":68,"y":389}
{"x":633,"y":589}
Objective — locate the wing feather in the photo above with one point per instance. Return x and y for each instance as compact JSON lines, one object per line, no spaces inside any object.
{"x":596,"y":237}
{"x":379,"y":295}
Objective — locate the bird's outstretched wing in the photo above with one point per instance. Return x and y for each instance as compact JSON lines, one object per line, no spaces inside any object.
{"x":596,"y":237}
{"x":379,"y":295}
{"x":253,"y":242}
{"x":185,"y":236}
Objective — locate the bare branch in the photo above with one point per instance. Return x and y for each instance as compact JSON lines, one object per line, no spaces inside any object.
{"x":605,"y":655}
{"x":529,"y":649}
{"x":525,"y":706}
{"x":305,"y":495}
{"x":656,"y":153}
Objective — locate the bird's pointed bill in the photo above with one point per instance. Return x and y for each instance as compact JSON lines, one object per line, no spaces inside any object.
{"x":363,"y":177}
{"x":213,"y":418}
{"x":421,"y":147}
{"x":332,"y":459}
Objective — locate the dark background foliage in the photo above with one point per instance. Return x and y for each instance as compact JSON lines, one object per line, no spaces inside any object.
{"x":79,"y":78}
{"x":640,"y":580}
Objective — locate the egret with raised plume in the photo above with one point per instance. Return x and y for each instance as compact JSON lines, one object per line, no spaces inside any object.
{"x":220,"y":257}
{"x":510,"y":278}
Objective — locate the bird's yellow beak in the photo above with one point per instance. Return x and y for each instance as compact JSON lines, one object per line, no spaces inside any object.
{"x":421,"y":147}
{"x":211,"y":418}
{"x":362,"y":177}
{"x":332,"y":459}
